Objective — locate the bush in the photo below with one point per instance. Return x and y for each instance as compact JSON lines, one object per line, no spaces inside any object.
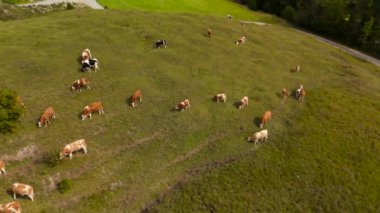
{"x":64,"y":185}
{"x":51,"y":158}
{"x":288,"y":13}
{"x":10,"y":110}
{"x":70,"y":6}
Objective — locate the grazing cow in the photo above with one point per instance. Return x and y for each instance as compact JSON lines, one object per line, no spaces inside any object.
{"x":22,"y":190}
{"x":301,"y":95}
{"x":266,"y":117}
{"x":285,"y":93}
{"x":298,"y":68}
{"x":73,"y":147}
{"x":2,"y":167}
{"x":241,"y":40}
{"x":46,"y":116}
{"x":298,"y":91}
{"x":258,"y":136}
{"x":221,"y":97}
{"x":243,"y":102}
{"x":209,"y":33}
{"x":80,"y":83}
{"x":86,"y":54}
{"x":183,"y":105}
{"x":93,"y":107}
{"x":89,"y":64}
{"x":160,"y":43}
{"x":12,"y":207}
{"x":136,"y":96}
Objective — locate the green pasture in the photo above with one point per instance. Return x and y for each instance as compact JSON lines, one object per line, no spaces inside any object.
{"x":208,"y":7}
{"x":321,"y":155}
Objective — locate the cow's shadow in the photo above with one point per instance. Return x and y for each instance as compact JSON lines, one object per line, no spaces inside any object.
{"x":257,"y":121}
{"x":10,"y":193}
{"x":79,"y":60}
{"x":128,"y":101}
{"x":294,"y":94}
{"x":279,"y":94}
{"x":80,"y":115}
{"x":236,"y":104}
{"x":206,"y":35}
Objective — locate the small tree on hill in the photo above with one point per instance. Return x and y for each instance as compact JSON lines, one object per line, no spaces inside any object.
{"x":10,"y":110}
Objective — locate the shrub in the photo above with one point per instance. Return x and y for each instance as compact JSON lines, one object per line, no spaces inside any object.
{"x":51,"y":158}
{"x":288,"y":13}
{"x":70,"y":6}
{"x":64,"y":185}
{"x":10,"y":110}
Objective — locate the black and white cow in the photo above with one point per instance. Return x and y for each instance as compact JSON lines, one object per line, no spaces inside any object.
{"x":88,"y":64}
{"x":160,"y":43}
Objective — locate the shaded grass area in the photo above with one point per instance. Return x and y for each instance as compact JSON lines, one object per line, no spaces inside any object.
{"x":136,"y":154}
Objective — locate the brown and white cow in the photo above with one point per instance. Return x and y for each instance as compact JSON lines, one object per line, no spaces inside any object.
{"x":22,"y":190}
{"x":12,"y":207}
{"x":137,"y":96}
{"x":301,"y":95}
{"x":73,"y":147}
{"x":243,"y":102}
{"x":220,"y":97}
{"x":80,"y":83}
{"x":258,"y":136}
{"x":298,"y":91}
{"x":241,"y":40}
{"x":86,"y":54}
{"x":2,"y":167}
{"x":183,"y":105}
{"x":285,"y":93}
{"x":46,"y":116}
{"x":93,"y":107}
{"x":209,"y":33}
{"x":266,"y":117}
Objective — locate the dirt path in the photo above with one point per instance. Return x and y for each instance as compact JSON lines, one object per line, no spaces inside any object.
{"x":91,"y":3}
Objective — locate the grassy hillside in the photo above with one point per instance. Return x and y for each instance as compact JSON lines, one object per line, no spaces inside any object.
{"x":209,"y":7}
{"x":136,"y":155}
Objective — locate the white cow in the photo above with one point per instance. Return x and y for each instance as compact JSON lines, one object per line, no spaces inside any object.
{"x":221,"y":97}
{"x":72,"y":147}
{"x":259,"y":136}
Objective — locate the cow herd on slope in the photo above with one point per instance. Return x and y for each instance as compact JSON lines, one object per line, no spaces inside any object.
{"x":87,"y":64}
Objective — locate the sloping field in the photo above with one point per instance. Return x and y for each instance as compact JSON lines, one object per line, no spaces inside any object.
{"x":322,"y":154}
{"x":209,"y":7}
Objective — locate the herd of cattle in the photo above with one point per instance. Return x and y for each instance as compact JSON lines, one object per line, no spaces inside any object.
{"x":87,"y":64}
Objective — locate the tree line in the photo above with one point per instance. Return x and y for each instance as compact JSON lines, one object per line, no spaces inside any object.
{"x":353,"y":22}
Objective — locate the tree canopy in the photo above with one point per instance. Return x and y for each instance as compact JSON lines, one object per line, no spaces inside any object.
{"x":354,"y":22}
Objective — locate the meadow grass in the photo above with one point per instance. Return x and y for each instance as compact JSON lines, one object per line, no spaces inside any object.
{"x":209,"y":7}
{"x":135,"y":155}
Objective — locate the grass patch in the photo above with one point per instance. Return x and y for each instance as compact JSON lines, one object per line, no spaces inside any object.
{"x":64,"y":186}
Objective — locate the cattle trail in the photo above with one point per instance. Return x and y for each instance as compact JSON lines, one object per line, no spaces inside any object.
{"x":196,"y":171}
{"x":190,"y":153}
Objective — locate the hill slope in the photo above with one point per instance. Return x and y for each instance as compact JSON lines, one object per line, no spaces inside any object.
{"x":135,"y":155}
